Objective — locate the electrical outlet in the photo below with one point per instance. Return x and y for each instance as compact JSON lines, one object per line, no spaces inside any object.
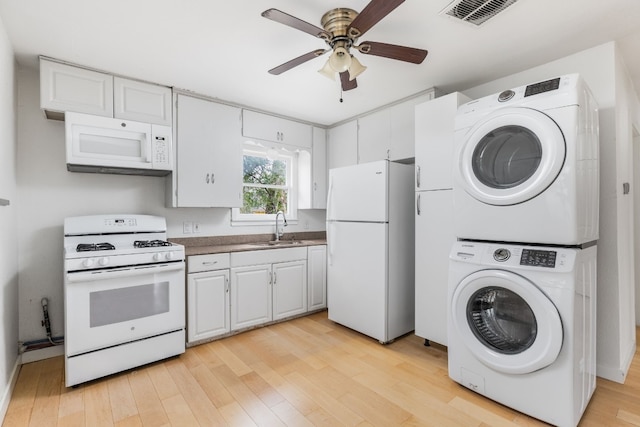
{"x":187,"y":227}
{"x":196,"y":227}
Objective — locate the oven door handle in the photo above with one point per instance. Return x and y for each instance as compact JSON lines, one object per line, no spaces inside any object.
{"x":93,"y":275}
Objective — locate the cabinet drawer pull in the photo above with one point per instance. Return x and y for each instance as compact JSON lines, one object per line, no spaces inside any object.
{"x":209,"y":262}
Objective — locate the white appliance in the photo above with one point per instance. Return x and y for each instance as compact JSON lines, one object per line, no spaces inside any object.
{"x":107,"y":145}
{"x":522,"y":326}
{"x":370,"y":249}
{"x":434,"y":124}
{"x":124,"y":289}
{"x":526,"y":165}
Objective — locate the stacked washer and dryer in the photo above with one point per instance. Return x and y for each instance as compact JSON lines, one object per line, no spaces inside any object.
{"x":522,"y":278}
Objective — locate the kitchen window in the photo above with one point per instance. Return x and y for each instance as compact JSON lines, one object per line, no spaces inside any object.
{"x":268,"y":186}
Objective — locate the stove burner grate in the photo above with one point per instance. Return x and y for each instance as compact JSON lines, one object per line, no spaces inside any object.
{"x":85,"y":247}
{"x":150,"y":243}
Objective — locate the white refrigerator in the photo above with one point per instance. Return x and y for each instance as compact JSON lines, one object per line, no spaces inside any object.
{"x":370,"y":249}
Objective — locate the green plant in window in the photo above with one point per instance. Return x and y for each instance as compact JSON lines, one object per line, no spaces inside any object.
{"x":265,"y":183}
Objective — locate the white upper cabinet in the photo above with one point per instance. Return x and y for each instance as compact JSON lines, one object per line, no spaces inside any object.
{"x":143,"y":102}
{"x":209,"y":154}
{"x":319,"y":169}
{"x":66,"y":87}
{"x":270,"y":128}
{"x":343,"y":145}
{"x":389,"y":133}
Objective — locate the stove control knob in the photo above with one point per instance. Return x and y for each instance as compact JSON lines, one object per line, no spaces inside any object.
{"x":157,"y":257}
{"x":104,"y":261}
{"x":169,"y":256}
{"x":87,"y":262}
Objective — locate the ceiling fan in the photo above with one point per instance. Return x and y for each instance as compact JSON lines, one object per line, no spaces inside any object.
{"x":341,"y":29}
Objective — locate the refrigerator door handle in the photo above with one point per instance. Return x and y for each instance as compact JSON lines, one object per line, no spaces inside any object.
{"x":330,"y":244}
{"x":418,"y":205}
{"x":418,"y":176}
{"x":329,"y":196}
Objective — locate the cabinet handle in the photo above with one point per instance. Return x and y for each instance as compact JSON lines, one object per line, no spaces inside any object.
{"x":213,"y":178}
{"x":207,"y":179}
{"x":274,"y":278}
{"x":418,"y":176}
{"x":388,"y":153}
{"x":418,"y":205}
{"x":209,"y":262}
{"x":315,"y":186}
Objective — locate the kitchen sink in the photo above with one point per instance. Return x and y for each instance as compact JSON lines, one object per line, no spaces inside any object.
{"x":279,"y":243}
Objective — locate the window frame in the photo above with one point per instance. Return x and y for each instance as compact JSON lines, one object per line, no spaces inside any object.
{"x":291,"y":159}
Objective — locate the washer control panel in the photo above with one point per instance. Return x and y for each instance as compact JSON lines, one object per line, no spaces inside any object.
{"x":538,"y":258}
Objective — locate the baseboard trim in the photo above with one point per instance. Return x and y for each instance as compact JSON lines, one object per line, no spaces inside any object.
{"x":42,"y":353}
{"x":6,"y":395}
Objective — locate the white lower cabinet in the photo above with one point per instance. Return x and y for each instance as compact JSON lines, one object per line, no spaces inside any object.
{"x":267,"y":285}
{"x":208,"y":313}
{"x":317,"y":277}
{"x":289,"y":289}
{"x":250,"y":296}
{"x":234,"y":291}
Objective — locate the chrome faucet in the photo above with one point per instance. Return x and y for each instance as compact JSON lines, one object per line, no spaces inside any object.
{"x":280,"y":231}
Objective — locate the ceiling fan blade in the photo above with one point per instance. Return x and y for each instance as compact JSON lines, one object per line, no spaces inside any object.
{"x":401,"y":53}
{"x":296,"y":61}
{"x":371,"y":15}
{"x":346,"y":83}
{"x":286,"y":19}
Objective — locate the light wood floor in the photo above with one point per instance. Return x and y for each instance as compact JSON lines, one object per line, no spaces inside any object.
{"x":307,"y":371}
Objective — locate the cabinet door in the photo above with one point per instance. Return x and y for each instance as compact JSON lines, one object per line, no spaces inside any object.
{"x":402,"y":121}
{"x":208,"y":305}
{"x":434,"y":141}
{"x":434,"y":239}
{"x":209,"y":154}
{"x":289,"y":289}
{"x":250,"y":296}
{"x":343,"y":145}
{"x":276,"y":129}
{"x":68,"y":88}
{"x":319,"y":169}
{"x":317,"y":277}
{"x":143,"y":102}
{"x":374,"y":136}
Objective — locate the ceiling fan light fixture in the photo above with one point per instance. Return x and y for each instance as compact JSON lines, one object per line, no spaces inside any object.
{"x":356,"y":68}
{"x":340,"y":60}
{"x":327,"y":71}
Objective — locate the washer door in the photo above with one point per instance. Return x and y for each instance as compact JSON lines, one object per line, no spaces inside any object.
{"x":506,"y":321}
{"x":511,"y":156}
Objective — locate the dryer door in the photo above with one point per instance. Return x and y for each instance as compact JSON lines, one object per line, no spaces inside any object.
{"x":511,"y":156}
{"x":506,"y":321}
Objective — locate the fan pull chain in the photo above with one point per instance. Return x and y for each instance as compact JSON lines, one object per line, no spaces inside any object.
{"x":341,"y":93}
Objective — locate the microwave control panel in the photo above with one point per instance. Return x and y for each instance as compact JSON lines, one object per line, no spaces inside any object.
{"x":161,"y":149}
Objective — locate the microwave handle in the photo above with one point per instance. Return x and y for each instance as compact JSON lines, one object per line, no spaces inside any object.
{"x":147,"y":147}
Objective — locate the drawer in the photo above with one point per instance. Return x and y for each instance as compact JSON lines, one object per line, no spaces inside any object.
{"x":267,"y":256}
{"x":198,"y":263}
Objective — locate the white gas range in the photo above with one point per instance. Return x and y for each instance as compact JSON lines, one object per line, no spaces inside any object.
{"x":124,"y":290}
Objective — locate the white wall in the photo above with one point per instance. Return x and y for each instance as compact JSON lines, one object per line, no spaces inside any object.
{"x":605,"y":74}
{"x":48,"y":193}
{"x":8,"y":223}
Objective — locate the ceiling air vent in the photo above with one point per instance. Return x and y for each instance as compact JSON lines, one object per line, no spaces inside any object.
{"x":476,"y":12}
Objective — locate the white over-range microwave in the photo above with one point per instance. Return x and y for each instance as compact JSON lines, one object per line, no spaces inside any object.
{"x":107,"y":145}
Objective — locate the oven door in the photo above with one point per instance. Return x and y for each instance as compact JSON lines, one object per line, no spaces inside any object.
{"x":110,"y":307}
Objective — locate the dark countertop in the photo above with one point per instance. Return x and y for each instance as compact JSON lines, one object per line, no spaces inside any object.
{"x":248,"y":242}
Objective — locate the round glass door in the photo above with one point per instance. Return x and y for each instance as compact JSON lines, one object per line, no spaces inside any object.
{"x":502,"y":320}
{"x":506,"y":321}
{"x":511,"y":156}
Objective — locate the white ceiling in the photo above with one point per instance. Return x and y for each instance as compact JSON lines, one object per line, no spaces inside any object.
{"x":223,"y":49}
